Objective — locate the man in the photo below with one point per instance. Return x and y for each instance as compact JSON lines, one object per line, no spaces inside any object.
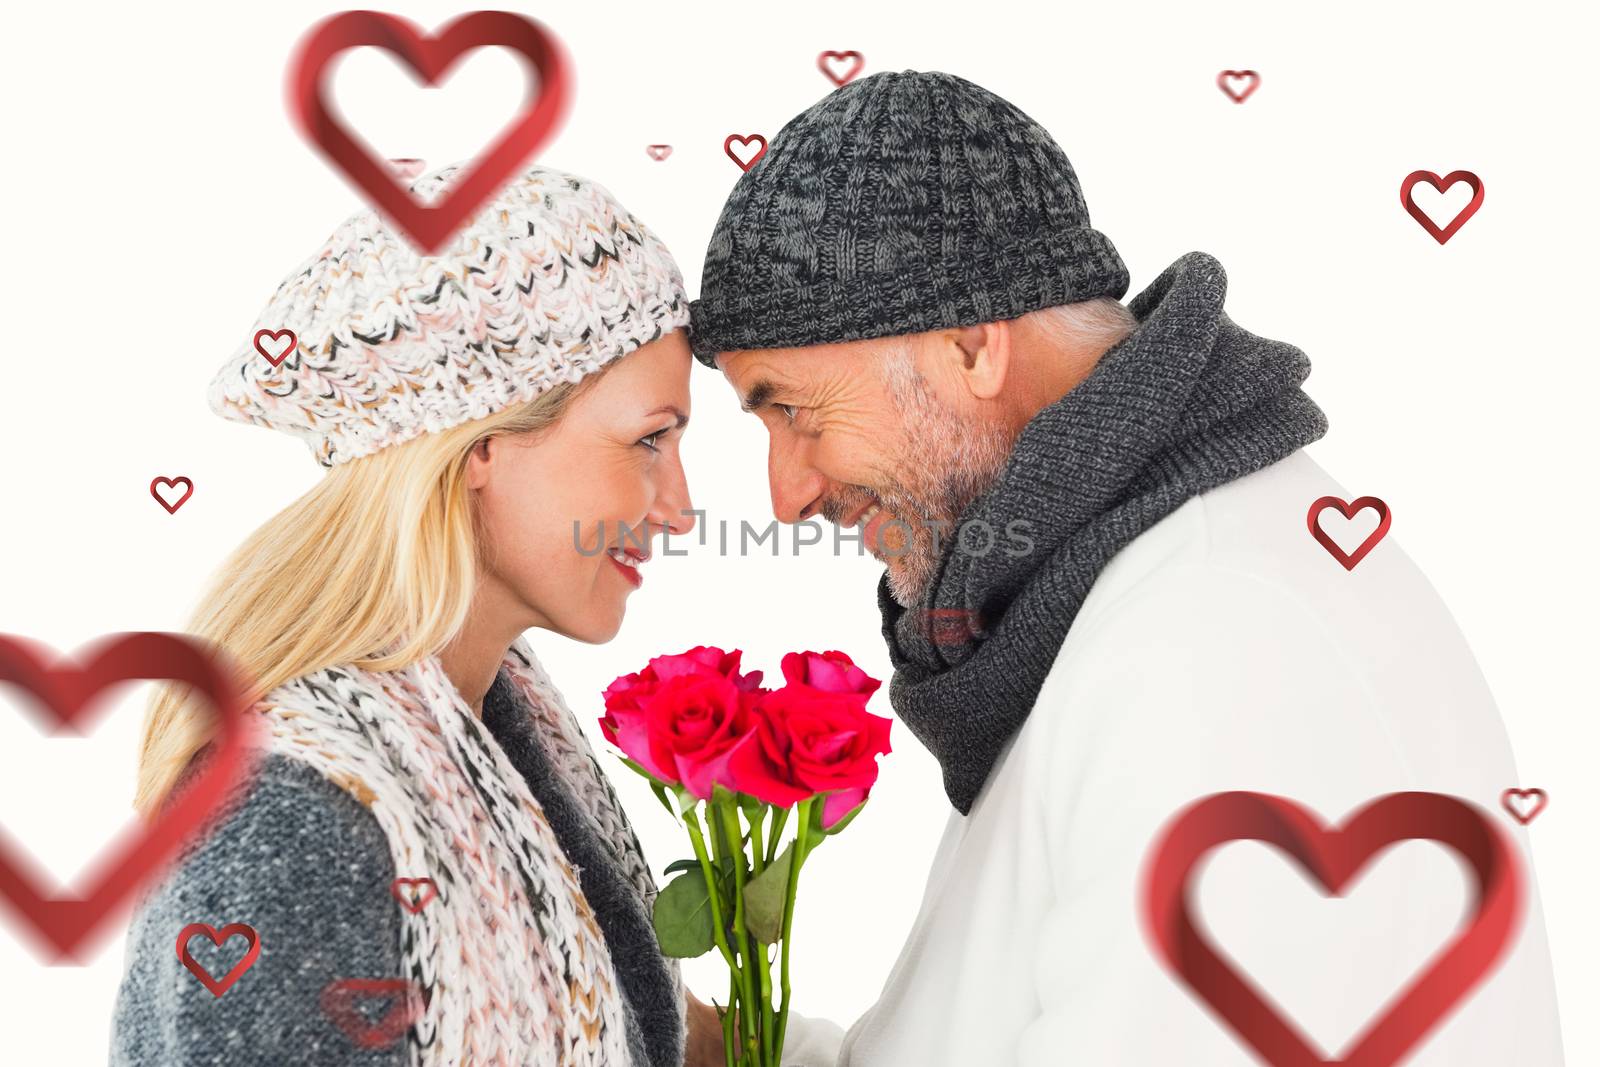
{"x":1102,"y":604}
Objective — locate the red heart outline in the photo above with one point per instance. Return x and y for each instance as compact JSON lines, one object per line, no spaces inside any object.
{"x":727,"y":148}
{"x":338,"y":1004}
{"x":218,"y":986}
{"x":822,"y":65}
{"x":67,"y":691}
{"x":1505,"y":802}
{"x":294,"y":342}
{"x":1349,"y":510}
{"x":1238,"y":98}
{"x":429,"y":57}
{"x":172,"y":509}
{"x":1442,"y":184}
{"x":1334,"y":857}
{"x":414,"y":906}
{"x":658,"y":152}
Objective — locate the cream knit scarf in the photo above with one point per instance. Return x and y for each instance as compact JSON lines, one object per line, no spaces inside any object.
{"x":510,"y":962}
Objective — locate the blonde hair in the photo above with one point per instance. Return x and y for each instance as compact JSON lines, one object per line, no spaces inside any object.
{"x":374,"y":567}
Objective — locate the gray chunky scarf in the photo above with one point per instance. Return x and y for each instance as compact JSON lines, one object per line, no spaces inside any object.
{"x":1187,"y":402}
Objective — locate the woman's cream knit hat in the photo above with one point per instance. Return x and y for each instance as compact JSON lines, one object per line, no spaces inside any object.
{"x":551,"y":280}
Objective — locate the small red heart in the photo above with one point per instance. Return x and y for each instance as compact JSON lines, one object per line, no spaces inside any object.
{"x":276,"y":336}
{"x":172,"y":508}
{"x":1333,"y":857}
{"x":413,"y":893}
{"x":338,"y":1001}
{"x":727,"y":146}
{"x":1349,"y":511}
{"x":1442,"y":184}
{"x":658,"y":152}
{"x":67,"y":692}
{"x":826,"y":58}
{"x":430,"y":58}
{"x":951,"y":626}
{"x":219,"y":986}
{"x":1226,"y":77}
{"x":1539,"y":796}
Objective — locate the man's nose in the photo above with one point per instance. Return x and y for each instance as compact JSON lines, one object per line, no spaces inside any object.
{"x":797,"y":486}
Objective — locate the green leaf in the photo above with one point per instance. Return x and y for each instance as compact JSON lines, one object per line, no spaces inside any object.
{"x":637,"y":769}
{"x":675,"y":866}
{"x":682,"y":917}
{"x":661,"y":794}
{"x":764,"y":898}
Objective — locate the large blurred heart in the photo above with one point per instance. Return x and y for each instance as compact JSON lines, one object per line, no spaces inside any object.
{"x":430,"y":57}
{"x":1333,"y":857}
{"x":66,"y":692}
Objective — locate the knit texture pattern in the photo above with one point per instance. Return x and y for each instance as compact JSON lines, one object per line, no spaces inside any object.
{"x":1187,"y":402}
{"x":549,"y":282}
{"x":901,"y":202}
{"x":510,"y":959}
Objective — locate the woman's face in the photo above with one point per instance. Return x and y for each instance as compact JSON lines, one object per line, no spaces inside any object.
{"x":561,"y":508}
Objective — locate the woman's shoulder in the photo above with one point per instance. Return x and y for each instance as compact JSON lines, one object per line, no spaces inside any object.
{"x":284,"y":825}
{"x":305,"y":866}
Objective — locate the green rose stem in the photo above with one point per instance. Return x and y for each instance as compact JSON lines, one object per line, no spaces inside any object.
{"x":749,"y":1019}
{"x":692,"y":821}
{"x":779,"y":817}
{"x":764,"y":965}
{"x":802,"y":846}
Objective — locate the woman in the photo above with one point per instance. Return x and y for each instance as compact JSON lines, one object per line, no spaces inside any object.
{"x":428,"y":821}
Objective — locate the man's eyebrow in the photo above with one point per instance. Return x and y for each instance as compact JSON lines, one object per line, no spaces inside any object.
{"x":760,"y":395}
{"x":666,"y":408}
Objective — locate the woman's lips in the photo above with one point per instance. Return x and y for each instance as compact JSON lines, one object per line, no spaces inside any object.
{"x":630,"y":573}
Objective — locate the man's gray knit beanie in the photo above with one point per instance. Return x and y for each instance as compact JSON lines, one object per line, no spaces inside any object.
{"x":902,"y":202}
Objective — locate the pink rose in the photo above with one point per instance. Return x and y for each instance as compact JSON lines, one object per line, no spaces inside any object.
{"x":831,"y":672}
{"x":698,"y":729}
{"x":624,"y":724}
{"x":824,"y":741}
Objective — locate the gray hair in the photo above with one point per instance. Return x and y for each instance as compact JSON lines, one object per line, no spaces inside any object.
{"x":1097,"y":324}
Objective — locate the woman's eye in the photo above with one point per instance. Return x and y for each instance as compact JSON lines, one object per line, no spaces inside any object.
{"x":650,"y":442}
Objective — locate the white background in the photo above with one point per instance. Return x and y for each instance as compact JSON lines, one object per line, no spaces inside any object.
{"x":156,"y":193}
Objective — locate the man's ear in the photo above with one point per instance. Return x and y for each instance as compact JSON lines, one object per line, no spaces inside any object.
{"x":984,"y":354}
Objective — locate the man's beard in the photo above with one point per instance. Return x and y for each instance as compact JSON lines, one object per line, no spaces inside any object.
{"x":949,"y":462}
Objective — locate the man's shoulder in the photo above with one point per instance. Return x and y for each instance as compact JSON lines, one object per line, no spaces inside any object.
{"x":1242,"y":556}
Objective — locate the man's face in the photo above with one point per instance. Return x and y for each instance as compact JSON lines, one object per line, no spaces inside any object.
{"x":855,"y":427}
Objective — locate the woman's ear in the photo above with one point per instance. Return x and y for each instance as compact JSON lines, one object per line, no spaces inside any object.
{"x":478,"y":461}
{"x":985,"y":357}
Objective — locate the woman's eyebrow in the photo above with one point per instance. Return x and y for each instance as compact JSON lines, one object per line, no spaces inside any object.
{"x":683,"y":420}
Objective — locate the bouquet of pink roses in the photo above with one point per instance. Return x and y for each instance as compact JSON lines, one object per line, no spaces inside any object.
{"x":705,"y":735}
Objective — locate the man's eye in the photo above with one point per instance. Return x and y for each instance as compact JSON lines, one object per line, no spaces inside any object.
{"x":788,"y":410}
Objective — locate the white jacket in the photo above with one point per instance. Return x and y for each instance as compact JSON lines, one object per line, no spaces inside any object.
{"x":1224,"y":649}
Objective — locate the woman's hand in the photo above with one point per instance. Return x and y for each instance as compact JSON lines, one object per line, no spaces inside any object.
{"x":703,"y":1047}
